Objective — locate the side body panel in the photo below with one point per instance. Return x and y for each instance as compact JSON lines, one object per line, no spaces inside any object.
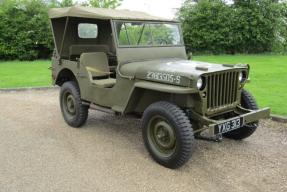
{"x":115,"y":97}
{"x":128,"y":95}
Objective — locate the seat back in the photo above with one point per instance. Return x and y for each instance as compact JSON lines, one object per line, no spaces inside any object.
{"x":76,"y":50}
{"x":96,"y":64}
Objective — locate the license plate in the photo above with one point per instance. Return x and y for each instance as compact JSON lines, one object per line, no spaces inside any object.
{"x":229,"y":125}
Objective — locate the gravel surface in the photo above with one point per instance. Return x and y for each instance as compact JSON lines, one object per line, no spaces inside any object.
{"x":39,"y":152}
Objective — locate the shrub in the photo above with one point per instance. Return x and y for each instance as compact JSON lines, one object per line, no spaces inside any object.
{"x":25,"y":31}
{"x":247,"y":26}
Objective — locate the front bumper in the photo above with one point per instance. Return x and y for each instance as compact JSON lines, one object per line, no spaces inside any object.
{"x":248,"y":116}
{"x":251,"y":116}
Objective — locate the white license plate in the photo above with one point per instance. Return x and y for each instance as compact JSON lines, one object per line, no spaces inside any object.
{"x":229,"y":125}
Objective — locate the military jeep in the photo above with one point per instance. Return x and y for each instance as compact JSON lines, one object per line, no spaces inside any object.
{"x":127,"y":62}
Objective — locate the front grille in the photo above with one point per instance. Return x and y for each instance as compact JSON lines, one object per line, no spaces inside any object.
{"x":221,"y":89}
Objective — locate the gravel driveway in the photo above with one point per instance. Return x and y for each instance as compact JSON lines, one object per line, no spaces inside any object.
{"x":39,"y":152}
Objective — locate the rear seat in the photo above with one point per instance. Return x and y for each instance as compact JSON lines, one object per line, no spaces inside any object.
{"x":75,"y":51}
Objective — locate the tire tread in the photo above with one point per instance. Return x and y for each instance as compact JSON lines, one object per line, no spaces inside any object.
{"x":184,"y":129}
{"x":82,"y":116}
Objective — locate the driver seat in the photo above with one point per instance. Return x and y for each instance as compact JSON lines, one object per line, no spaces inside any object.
{"x":97,"y":66}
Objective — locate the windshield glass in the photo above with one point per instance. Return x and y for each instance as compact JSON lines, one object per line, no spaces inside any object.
{"x":148,"y":34}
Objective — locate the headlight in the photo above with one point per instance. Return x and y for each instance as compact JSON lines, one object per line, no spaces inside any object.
{"x":242,"y":77}
{"x":200,"y":83}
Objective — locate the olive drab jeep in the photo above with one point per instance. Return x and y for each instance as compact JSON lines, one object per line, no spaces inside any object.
{"x":127,"y":62}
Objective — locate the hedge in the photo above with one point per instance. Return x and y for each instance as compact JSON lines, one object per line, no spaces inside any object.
{"x":247,"y":26}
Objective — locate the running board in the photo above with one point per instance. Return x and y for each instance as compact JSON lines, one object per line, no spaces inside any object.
{"x":99,"y":108}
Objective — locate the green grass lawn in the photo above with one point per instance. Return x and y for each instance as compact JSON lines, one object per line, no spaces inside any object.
{"x":268,"y":76}
{"x":25,"y":73}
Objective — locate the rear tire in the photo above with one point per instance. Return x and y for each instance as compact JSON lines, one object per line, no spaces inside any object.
{"x":73,"y":111}
{"x":248,"y":102}
{"x":167,"y":134}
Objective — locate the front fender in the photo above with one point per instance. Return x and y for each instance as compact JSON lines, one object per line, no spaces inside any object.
{"x":145,"y":93}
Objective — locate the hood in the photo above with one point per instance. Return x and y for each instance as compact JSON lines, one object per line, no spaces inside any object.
{"x":171,"y":70}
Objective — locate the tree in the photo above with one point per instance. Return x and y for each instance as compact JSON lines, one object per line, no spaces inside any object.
{"x":280,"y":45}
{"x":247,"y":26}
{"x":24,"y":30}
{"x":246,"y":2}
{"x":206,"y":26}
{"x":105,"y":3}
{"x":66,"y":3}
{"x":257,"y":25}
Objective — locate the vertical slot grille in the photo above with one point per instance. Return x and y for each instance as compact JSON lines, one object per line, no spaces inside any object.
{"x":221,"y":89}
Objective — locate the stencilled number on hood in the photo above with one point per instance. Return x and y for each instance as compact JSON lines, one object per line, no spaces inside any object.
{"x":164,"y":77}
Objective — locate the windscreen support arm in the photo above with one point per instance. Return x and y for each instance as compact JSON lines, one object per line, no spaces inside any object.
{"x":140,"y":38}
{"x":64,"y":35}
{"x":127,"y":34}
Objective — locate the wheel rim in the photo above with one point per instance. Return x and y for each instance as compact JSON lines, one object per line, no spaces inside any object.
{"x":161,"y":136}
{"x":69,"y":103}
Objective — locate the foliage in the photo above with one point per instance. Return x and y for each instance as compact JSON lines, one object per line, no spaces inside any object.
{"x":261,"y":21}
{"x":105,"y":3}
{"x":280,"y":45}
{"x":66,"y":3}
{"x":209,"y":26}
{"x":25,"y":31}
{"x":205,"y":26}
{"x":247,"y":26}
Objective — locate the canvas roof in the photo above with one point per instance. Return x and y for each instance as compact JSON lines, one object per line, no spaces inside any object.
{"x":101,"y":13}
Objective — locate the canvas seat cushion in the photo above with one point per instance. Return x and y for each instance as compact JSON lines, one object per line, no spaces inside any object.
{"x":104,"y":83}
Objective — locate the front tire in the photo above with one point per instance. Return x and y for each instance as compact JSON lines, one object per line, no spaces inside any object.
{"x":167,"y":134}
{"x":248,"y":102}
{"x":73,"y":111}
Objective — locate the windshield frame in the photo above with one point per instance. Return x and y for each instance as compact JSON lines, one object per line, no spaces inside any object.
{"x":146,"y":22}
